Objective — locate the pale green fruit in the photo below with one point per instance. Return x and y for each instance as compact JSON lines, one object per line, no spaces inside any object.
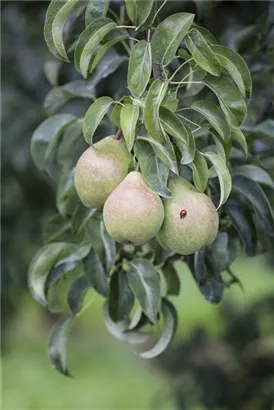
{"x":191,"y":220}
{"x":100,"y":169}
{"x":133,"y":212}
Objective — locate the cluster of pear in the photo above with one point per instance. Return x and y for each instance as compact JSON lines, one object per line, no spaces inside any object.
{"x":132,"y":212}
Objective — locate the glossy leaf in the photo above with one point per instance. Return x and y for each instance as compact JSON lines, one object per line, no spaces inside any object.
{"x":208,"y":36}
{"x":168,"y":36}
{"x":94,"y":116}
{"x":241,"y":217}
{"x":57,"y":346}
{"x":138,"y":11}
{"x":153,"y":101}
{"x":76,"y":294}
{"x":258,"y":199}
{"x":164,"y":151}
{"x":255,"y":173}
{"x":231,"y":100}
{"x":237,"y":68}
{"x":200,"y":171}
{"x":45,"y":137}
{"x":173,"y":126}
{"x":96,"y":9}
{"x":109,"y":246}
{"x":112,"y":38}
{"x":121,"y":298}
{"x":89,"y":40}
{"x":238,"y":136}
{"x":202,"y":52}
{"x":172,"y":279}
{"x":214,"y":116}
{"x":170,"y":319}
{"x":95,"y":273}
{"x":54,"y":7}
{"x":66,"y":198}
{"x":128,"y":120}
{"x":187,"y":151}
{"x":58,"y":26}
{"x":41,"y":265}
{"x":145,"y":283}
{"x":120,"y":330}
{"x":223,"y":175}
{"x":139,"y":68}
{"x":155,"y":172}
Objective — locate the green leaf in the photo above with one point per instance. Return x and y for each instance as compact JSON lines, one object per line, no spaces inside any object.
{"x":109,"y":246}
{"x":139,"y":68}
{"x":172,"y":279}
{"x":222,"y":253}
{"x":223,"y":175}
{"x":88,"y":42}
{"x":241,"y":216}
{"x":120,"y":332}
{"x":169,"y":329}
{"x":231,"y":100}
{"x":96,"y":9}
{"x":173,"y":126}
{"x":128,"y":119}
{"x":76,"y":294}
{"x":202,"y":52}
{"x":155,"y":172}
{"x":208,"y":36}
{"x":254,"y":173}
{"x":112,"y":38}
{"x":187,"y":151}
{"x":52,"y":69}
{"x":168,"y":36}
{"x":145,"y":283}
{"x":237,"y":68}
{"x":116,"y":114}
{"x":200,"y":171}
{"x":164,"y":151}
{"x":41,"y":265}
{"x":57,"y":346}
{"x":138,"y":11}
{"x":45,"y":138}
{"x":95,"y":273}
{"x":54,"y":7}
{"x":66,"y":199}
{"x":94,"y":116}
{"x":258,"y":199}
{"x":238,"y":135}
{"x":121,"y":298}
{"x":214,"y":116}
{"x":58,"y":25}
{"x":170,"y":101}
{"x":153,"y":101}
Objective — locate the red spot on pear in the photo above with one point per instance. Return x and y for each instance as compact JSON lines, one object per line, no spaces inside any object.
{"x":183,"y":213}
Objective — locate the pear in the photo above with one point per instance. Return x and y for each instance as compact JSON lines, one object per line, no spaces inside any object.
{"x":191,"y":220}
{"x":100,"y":169}
{"x":133,"y":212}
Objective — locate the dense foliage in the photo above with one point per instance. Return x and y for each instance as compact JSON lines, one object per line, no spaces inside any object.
{"x":179,"y":99}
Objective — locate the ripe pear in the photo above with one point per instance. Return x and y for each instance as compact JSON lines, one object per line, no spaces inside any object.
{"x":133,"y":212}
{"x":100,"y":169}
{"x":191,"y":220}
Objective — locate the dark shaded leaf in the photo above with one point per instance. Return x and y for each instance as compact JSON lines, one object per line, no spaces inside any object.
{"x":254,"y":173}
{"x":95,"y":273}
{"x":121,"y":298}
{"x":222,"y":253}
{"x":145,"y":283}
{"x":77,"y":293}
{"x":172,"y":279}
{"x":96,"y":9}
{"x":109,"y":246}
{"x":238,"y":136}
{"x":66,"y":199}
{"x":257,"y":199}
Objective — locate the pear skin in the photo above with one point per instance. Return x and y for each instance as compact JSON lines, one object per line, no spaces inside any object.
{"x":133,"y":212}
{"x":100,"y":169}
{"x":191,"y":220}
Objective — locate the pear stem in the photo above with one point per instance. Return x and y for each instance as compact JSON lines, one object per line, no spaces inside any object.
{"x":138,"y":168}
{"x":118,"y":134}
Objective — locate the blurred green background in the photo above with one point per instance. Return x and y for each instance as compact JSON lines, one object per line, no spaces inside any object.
{"x":223,"y":356}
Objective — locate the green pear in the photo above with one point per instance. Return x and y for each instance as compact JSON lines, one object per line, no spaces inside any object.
{"x":133,"y":212}
{"x":191,"y":220}
{"x":100,"y":169}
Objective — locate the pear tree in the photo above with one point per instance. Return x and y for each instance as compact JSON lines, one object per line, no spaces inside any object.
{"x":152,"y":171}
